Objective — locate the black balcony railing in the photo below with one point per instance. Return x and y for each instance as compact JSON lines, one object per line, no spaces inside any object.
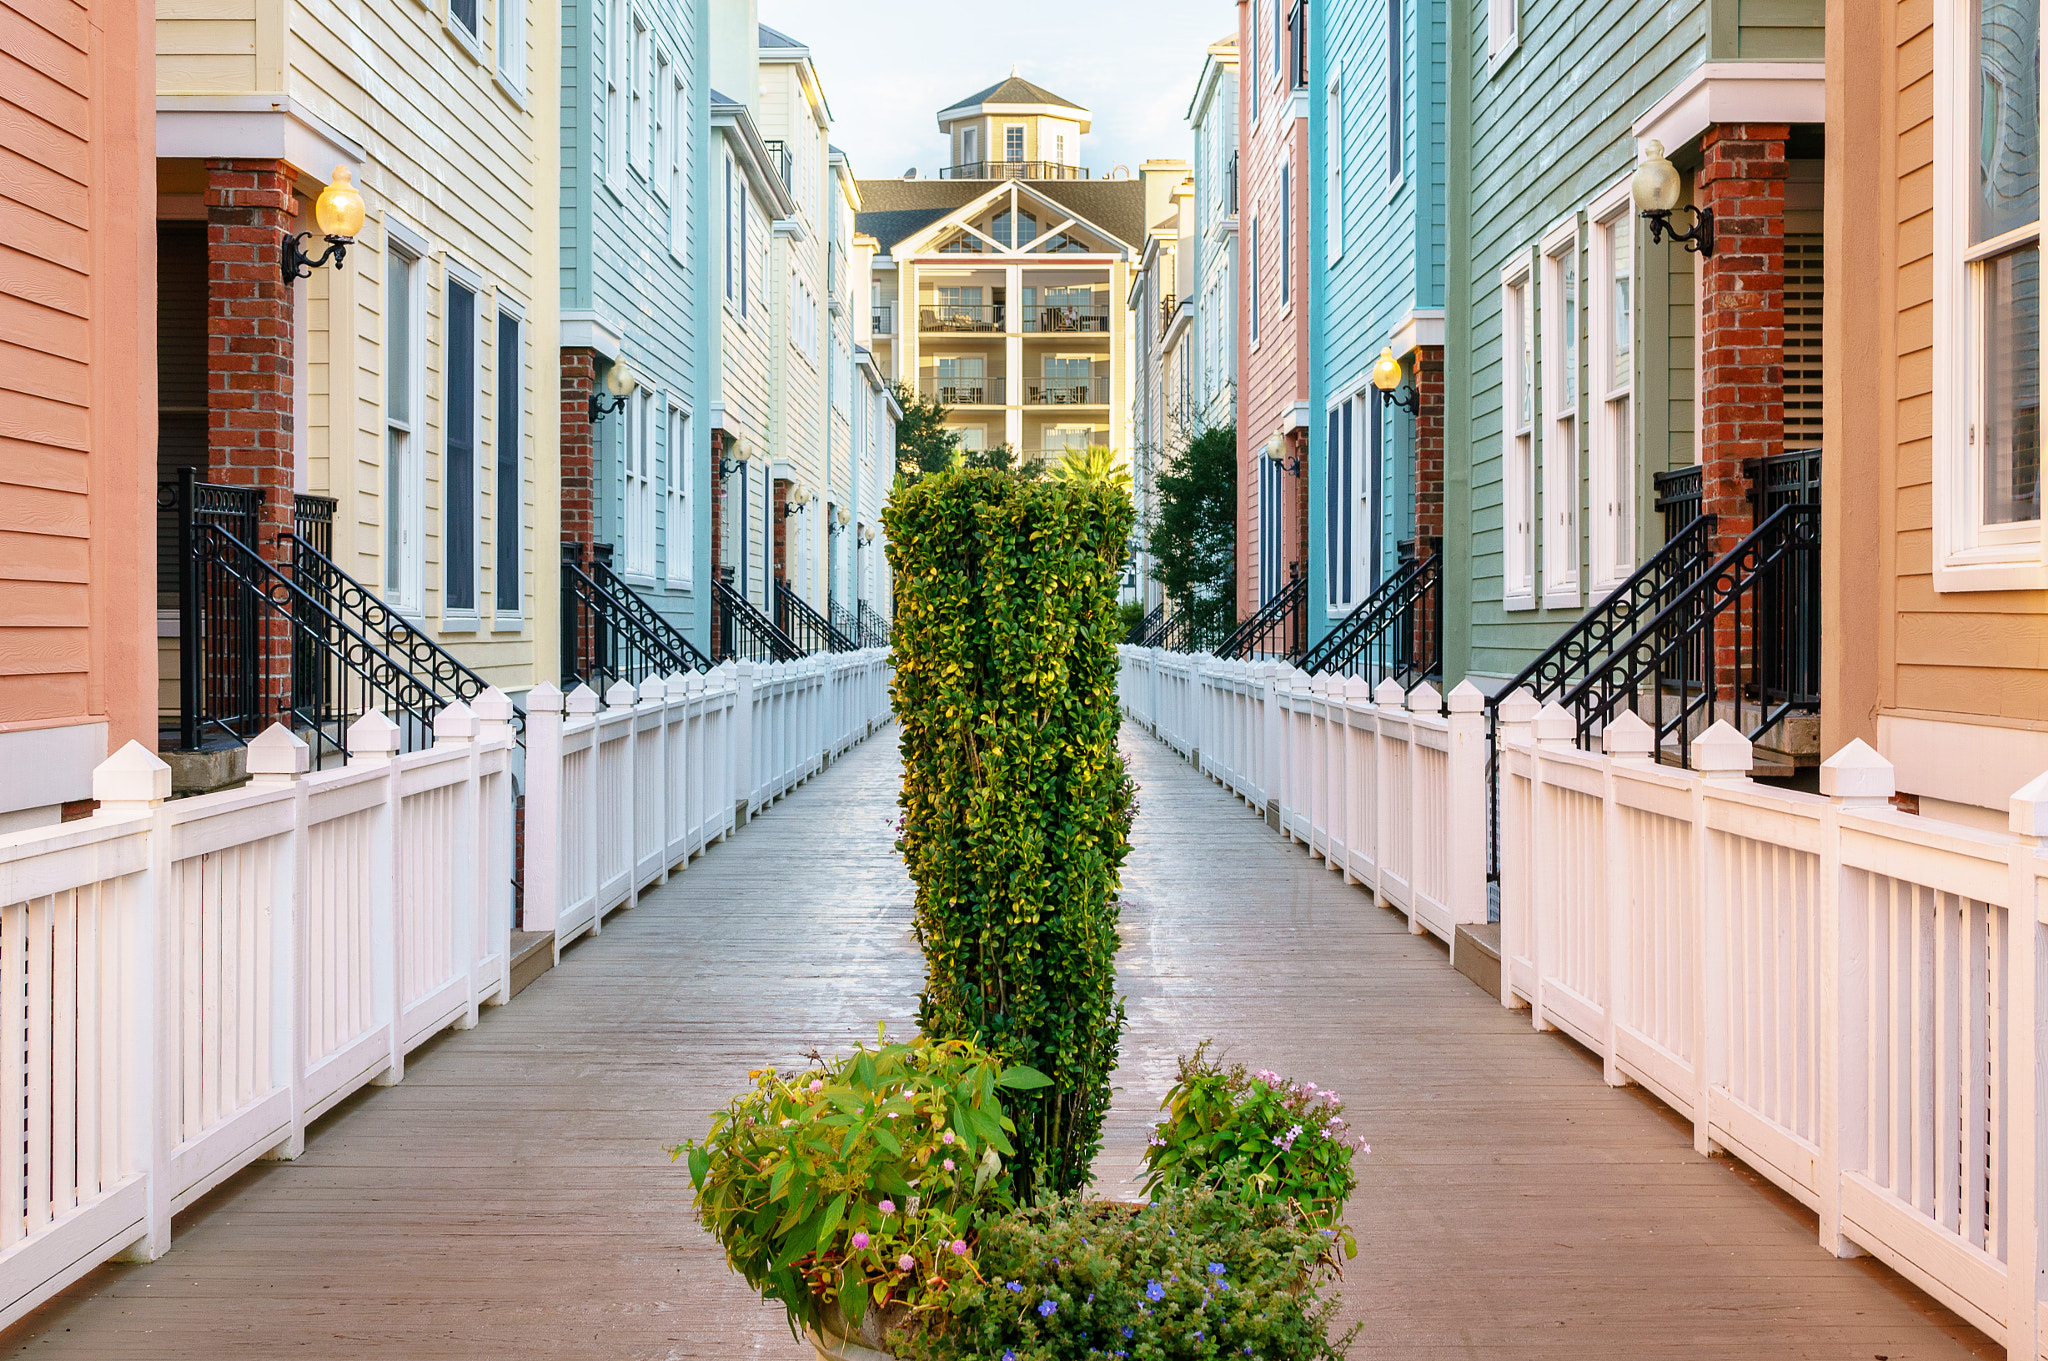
{"x":1066,"y":392}
{"x":962,"y":391}
{"x":1230,"y":187}
{"x":783,"y":160}
{"x":1278,"y":632}
{"x":883,"y":320}
{"x":1396,"y":633}
{"x":803,"y":625}
{"x":740,"y":631}
{"x":1067,"y":318}
{"x":1013,"y":170}
{"x":609,"y":631}
{"x":874,"y":628}
{"x":954,"y":317}
{"x":1168,"y":305}
{"x":1678,"y":499}
{"x":1788,"y":479}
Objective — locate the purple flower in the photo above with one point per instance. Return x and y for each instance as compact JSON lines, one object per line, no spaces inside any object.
{"x":959,"y":1247}
{"x":1154,"y":1291}
{"x":860,"y":1240}
{"x":947,"y":1164}
{"x":1016,"y":1287}
{"x":947,"y":1137}
{"x":887,"y":1207}
{"x":1045,"y":1308}
{"x":1215,"y":1268}
{"x":905,"y":1262}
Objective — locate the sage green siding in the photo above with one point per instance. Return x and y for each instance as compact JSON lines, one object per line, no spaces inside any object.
{"x":1768,"y":30}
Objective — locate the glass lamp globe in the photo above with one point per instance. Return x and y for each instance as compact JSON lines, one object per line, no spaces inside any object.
{"x":339,"y":209}
{"x":739,"y":450}
{"x":1386,"y":370}
{"x":619,"y":380}
{"x":1276,"y":448}
{"x":1654,"y":186}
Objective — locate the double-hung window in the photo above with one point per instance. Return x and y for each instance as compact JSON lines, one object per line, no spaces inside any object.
{"x":1286,"y":232}
{"x":512,"y":42}
{"x":1610,"y":373}
{"x":1503,"y":29}
{"x":1394,"y":95}
{"x":1352,"y":463}
{"x":1518,"y":436}
{"x":508,"y":498}
{"x":1987,"y":293}
{"x":615,"y":61}
{"x":463,"y":12}
{"x":1251,"y":290}
{"x":678,"y":182}
{"x":681,"y":511}
{"x":731,"y":246}
{"x":1333,"y":167}
{"x":404,"y":375}
{"x":640,"y":491}
{"x":458,"y":461}
{"x":1559,"y":306}
{"x":660,"y":172}
{"x":637,"y":115}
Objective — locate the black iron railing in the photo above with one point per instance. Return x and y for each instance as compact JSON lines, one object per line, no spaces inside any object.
{"x":1142,"y":630}
{"x":1279,"y":631}
{"x":1230,"y":187}
{"x":874,"y":628}
{"x":1740,"y":644}
{"x":1678,"y":499}
{"x":846,"y":620}
{"x":740,"y":631}
{"x":811,"y":631}
{"x":1013,"y":170}
{"x":1788,"y":479}
{"x":1396,"y":633}
{"x":960,"y":317}
{"x":962,"y":391}
{"x":610,"y":633}
{"x":1066,"y":318}
{"x":1066,"y":392}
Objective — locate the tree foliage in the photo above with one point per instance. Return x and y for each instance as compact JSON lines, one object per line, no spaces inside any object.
{"x":1014,"y":797}
{"x":1192,"y":537}
{"x":923,"y":444}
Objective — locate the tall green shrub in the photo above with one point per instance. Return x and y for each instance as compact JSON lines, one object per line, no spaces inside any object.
{"x":1014,"y":798}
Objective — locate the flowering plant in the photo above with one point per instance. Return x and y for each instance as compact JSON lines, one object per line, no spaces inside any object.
{"x":1201,"y":1273}
{"x":862,"y":1183}
{"x":1288,"y":1139}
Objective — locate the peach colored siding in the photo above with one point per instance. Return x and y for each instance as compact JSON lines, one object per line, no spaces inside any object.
{"x":77,"y":380}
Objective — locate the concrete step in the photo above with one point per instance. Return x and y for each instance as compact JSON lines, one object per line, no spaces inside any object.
{"x":533,"y":954}
{"x":1477,"y":955}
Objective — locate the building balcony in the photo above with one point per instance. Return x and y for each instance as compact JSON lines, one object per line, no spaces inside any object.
{"x":1066,"y":392}
{"x":955,"y":318}
{"x":1082,"y":318}
{"x":951,"y":392}
{"x":884,"y":320}
{"x":1013,"y":170}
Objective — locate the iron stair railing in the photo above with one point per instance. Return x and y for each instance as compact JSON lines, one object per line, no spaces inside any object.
{"x":845,"y":621}
{"x":875,"y":629}
{"x":1142,"y":630}
{"x":811,"y":631}
{"x":1396,"y":632}
{"x":740,"y":631}
{"x":610,"y":633}
{"x":1278,"y":631}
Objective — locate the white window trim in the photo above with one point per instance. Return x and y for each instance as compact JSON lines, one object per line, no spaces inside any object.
{"x":410,"y":599}
{"x":679,"y":165}
{"x":511,"y":44}
{"x":1503,"y":32}
{"x":1396,"y":144}
{"x":1366,"y":415}
{"x":679,"y":501}
{"x":1562,"y":422}
{"x":617,"y":24}
{"x":638,"y":516}
{"x":1518,"y":490}
{"x":1333,"y":165}
{"x":503,"y":620}
{"x":639,"y":108}
{"x":1611,"y":541}
{"x":1966,"y":558}
{"x":660,"y":108}
{"x":458,"y":272}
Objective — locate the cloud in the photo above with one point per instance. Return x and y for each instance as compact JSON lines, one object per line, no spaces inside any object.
{"x":888,"y":69}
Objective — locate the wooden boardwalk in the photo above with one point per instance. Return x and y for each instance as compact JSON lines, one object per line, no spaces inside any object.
{"x":511,"y":1198}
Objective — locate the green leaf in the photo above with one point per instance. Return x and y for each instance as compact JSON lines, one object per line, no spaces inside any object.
{"x":831,"y":1221}
{"x":853,"y":1298}
{"x":700,"y":1167}
{"x":1023,"y":1079}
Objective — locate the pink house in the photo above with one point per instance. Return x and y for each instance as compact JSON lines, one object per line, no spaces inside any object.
{"x":1273,"y":309}
{"x":78,"y":405}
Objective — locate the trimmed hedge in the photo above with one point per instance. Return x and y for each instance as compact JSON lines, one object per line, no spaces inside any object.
{"x":1016,"y":809}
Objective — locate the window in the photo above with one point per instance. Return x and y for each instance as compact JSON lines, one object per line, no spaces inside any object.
{"x":1059,"y":149}
{"x":968,"y":142}
{"x":1251,"y":291}
{"x":1503,"y":29}
{"x":731,"y":240}
{"x":637,"y":112}
{"x":678,"y":184}
{"x":404,"y":374}
{"x":615,"y":94}
{"x":1559,"y":305}
{"x":1251,"y":65}
{"x":681,"y":509}
{"x":640,"y":493}
{"x":1272,"y":477}
{"x":1518,"y":438}
{"x":458,"y":462}
{"x":1610,"y":373}
{"x":1987,"y":380}
{"x":463,"y":12}
{"x":1023,"y":226}
{"x":1013,"y":142}
{"x":661,"y":169}
{"x":1394,"y":118}
{"x":508,"y":502}
{"x":512,"y":42}
{"x":1297,"y":45}
{"x":1351,"y":499}
{"x":746,"y":249}
{"x":1286,"y":232}
{"x":1280,"y":37}
{"x":1333,"y":166}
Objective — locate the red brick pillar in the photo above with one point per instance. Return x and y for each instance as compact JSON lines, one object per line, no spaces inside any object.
{"x":1742,"y":316}
{"x":1427,"y":377}
{"x":777,"y":507}
{"x":1297,"y":489}
{"x":250,"y":321}
{"x":579,"y":448}
{"x":718,"y":446}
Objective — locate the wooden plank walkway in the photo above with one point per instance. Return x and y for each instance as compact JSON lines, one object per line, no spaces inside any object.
{"x":510,"y":1198}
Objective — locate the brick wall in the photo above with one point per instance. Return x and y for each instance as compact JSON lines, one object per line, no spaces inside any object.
{"x":1742,"y":321}
{"x":249,"y":326}
{"x":579,"y":448}
{"x":1429,"y":441}
{"x":780,"y":561}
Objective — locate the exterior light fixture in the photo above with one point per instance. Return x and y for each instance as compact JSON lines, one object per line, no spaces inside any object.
{"x":737,"y":452}
{"x":867,"y":533}
{"x":1386,"y":376}
{"x":339,"y":213}
{"x":836,"y":522}
{"x":619,"y":382}
{"x":1654,"y":187}
{"x":1276,"y":449}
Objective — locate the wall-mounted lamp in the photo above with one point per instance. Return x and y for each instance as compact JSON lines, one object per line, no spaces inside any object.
{"x":867,"y":533}
{"x":1655,"y":188}
{"x":800,"y":498}
{"x":1386,"y":376}
{"x":837,"y":520}
{"x":737,"y":452}
{"x":1276,"y":449}
{"x":339,"y":213}
{"x":619,"y":382}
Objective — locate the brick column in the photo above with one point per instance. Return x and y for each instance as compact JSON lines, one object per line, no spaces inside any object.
{"x":1297,"y":489}
{"x":579,"y":448}
{"x":718,"y":445}
{"x":780,"y":561}
{"x":1427,"y":376}
{"x":1742,"y":316}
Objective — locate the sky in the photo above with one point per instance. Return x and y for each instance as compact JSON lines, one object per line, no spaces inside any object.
{"x":889,"y":66}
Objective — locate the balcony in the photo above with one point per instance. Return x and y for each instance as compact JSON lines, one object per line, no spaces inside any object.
{"x":1067,"y":319}
{"x":784,"y":161}
{"x":1051,"y":447}
{"x":951,"y":392}
{"x":1013,"y":170}
{"x":1066,"y":392}
{"x":883,"y":320}
{"x":958,"y":317}
{"x":1167,"y":307}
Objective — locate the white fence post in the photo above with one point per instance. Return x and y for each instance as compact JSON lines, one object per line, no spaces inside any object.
{"x":541,"y":901}
{"x":1627,"y":740}
{"x":2024,"y":1216}
{"x":455,"y":727}
{"x":1465,"y":842}
{"x":744,"y":738}
{"x":373,"y":742}
{"x":277,"y":758}
{"x":495,"y":864}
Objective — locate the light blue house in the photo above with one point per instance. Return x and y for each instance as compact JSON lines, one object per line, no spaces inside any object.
{"x":635,"y":132}
{"x":1376,"y":232}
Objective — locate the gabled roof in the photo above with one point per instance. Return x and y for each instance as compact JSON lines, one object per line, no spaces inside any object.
{"x":771,"y":37}
{"x":894,"y":210}
{"x":1013,"y":90}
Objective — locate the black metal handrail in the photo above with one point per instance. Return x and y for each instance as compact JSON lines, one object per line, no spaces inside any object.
{"x":1788,"y":479}
{"x":1183,"y":634}
{"x":1066,"y":318}
{"x":1678,"y":499}
{"x":741,"y":631}
{"x":1066,"y":392}
{"x":610,"y":633}
{"x":1278,"y":630}
{"x":874,"y":628}
{"x":1744,"y":637}
{"x":1394,"y":633}
{"x":845,"y":621}
{"x":951,"y":392}
{"x":811,"y":631}
{"x":1142,"y":630}
{"x":960,"y":317}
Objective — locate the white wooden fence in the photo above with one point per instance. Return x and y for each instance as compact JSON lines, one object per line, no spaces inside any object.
{"x":1845,"y":996}
{"x":194,"y":981}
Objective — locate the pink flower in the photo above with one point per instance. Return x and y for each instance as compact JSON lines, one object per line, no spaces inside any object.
{"x":887,"y":1207}
{"x":959,"y":1247}
{"x":905,"y":1262}
{"x":860,"y":1240}
{"x":817,"y":1084}
{"x":947,"y":1164}
{"x":947,"y":1137}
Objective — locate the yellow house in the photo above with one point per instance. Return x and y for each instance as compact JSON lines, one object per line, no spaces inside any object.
{"x":394,"y":408}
